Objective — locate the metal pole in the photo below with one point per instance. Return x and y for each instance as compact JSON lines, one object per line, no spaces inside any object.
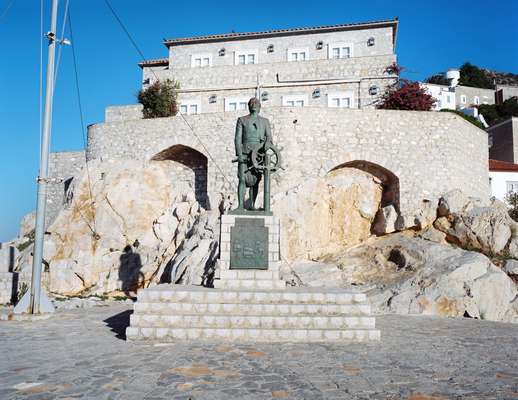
{"x":34,"y":307}
{"x":266,"y":192}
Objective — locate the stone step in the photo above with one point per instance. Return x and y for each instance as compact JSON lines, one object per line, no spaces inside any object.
{"x":249,"y":274}
{"x":287,"y":295}
{"x":254,"y":335}
{"x":260,"y":284}
{"x":251,"y":321}
{"x":248,"y":308}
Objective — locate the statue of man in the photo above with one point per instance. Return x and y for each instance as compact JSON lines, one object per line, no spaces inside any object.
{"x":251,"y":130}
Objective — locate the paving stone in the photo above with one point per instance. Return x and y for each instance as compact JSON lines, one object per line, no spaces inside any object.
{"x":79,"y":354}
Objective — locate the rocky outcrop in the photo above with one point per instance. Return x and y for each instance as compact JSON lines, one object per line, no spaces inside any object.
{"x":312,"y":274}
{"x":406,"y":274}
{"x":326,"y":214}
{"x":488,"y":229}
{"x":125,"y":224}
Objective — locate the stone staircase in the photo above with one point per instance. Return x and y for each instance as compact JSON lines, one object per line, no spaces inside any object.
{"x":257,"y":308}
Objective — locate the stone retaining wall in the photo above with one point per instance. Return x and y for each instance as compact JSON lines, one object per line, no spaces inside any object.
{"x":63,"y":167}
{"x":429,"y":152}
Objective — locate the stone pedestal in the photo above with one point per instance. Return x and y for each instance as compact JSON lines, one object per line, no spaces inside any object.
{"x":233,"y":250}
{"x":251,"y":304}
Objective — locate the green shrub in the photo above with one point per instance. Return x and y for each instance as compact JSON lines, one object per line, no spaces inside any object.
{"x":512,"y":202}
{"x":160,"y":99}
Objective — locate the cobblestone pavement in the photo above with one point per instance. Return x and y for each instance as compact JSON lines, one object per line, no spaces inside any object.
{"x":83,"y":354}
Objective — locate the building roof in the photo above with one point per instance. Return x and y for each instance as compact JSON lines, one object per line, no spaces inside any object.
{"x":284,"y":32}
{"x":502,"y":166}
{"x":157,"y":62}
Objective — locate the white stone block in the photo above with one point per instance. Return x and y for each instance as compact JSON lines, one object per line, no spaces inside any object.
{"x":225,"y":237}
{"x":332,"y":335}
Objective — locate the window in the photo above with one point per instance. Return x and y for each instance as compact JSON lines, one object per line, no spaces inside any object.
{"x":476,"y":100}
{"x":339,"y":50}
{"x":236,"y":103}
{"x":298,"y":54}
{"x":340,"y":100}
{"x":297,"y":100}
{"x":463,"y":99}
{"x":201,"y":60}
{"x":188,"y":107}
{"x":245,"y":57}
{"x":512,"y":186}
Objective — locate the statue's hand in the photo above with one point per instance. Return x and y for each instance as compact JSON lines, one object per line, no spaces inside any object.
{"x":241,"y":158}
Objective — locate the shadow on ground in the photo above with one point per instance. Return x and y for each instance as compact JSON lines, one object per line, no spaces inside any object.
{"x":118,"y":323}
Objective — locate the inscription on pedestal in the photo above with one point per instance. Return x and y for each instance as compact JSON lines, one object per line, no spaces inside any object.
{"x":249,"y":244}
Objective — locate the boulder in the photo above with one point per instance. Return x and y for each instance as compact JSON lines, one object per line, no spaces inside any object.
{"x":385,"y":221}
{"x":120,"y":231}
{"x":405,"y":274}
{"x":325,"y":214}
{"x":487,"y":229}
{"x":511,"y":268}
{"x":312,"y":274}
{"x":455,"y":202}
{"x":426,"y":215}
{"x":195,"y":261}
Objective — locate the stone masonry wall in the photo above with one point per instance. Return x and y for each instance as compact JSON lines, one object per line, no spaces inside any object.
{"x":429,"y":152}
{"x":355,"y":75}
{"x":180,"y":55}
{"x":63,"y":167}
{"x":486,"y":96}
{"x":275,"y":74}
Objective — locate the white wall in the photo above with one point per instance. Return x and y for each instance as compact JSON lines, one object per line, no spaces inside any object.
{"x":445,"y":98}
{"x":499,"y":181}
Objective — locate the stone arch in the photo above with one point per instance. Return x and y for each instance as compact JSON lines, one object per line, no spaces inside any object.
{"x":190,"y":167}
{"x":388,"y":180}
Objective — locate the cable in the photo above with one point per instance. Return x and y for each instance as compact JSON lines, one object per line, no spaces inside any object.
{"x":156,"y":77}
{"x":127,"y":33}
{"x":81,"y":117}
{"x":59,"y":41}
{"x":4,"y":13}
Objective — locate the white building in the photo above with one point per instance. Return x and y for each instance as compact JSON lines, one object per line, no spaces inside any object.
{"x":327,"y":66}
{"x":444,"y":96}
{"x":503,"y":178}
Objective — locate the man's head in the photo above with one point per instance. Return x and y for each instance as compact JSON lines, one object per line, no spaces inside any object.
{"x":254,"y":105}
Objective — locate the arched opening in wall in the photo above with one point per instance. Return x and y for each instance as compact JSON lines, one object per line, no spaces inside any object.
{"x":189,"y":167}
{"x":389,"y":182}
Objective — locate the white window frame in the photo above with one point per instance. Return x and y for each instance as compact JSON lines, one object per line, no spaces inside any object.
{"x":463,"y":99}
{"x":238,"y":100}
{"x":294,"y":98}
{"x":340,"y":95}
{"x":289,"y":54}
{"x":201,"y":56}
{"x":188,"y":104}
{"x":246,"y":53}
{"x":511,"y":186}
{"x":476,"y":100}
{"x":340,"y":46}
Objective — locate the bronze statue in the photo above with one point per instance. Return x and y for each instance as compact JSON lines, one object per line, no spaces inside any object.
{"x":254,"y":150}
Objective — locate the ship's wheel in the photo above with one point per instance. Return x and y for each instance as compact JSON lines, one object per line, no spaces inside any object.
{"x":266,"y":156}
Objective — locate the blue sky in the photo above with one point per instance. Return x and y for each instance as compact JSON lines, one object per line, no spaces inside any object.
{"x":433,"y":36}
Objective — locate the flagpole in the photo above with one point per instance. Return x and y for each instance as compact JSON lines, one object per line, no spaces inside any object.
{"x":36,"y":302}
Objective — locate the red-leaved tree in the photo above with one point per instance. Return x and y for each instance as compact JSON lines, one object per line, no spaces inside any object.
{"x":404,"y":94}
{"x":407,"y":95}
